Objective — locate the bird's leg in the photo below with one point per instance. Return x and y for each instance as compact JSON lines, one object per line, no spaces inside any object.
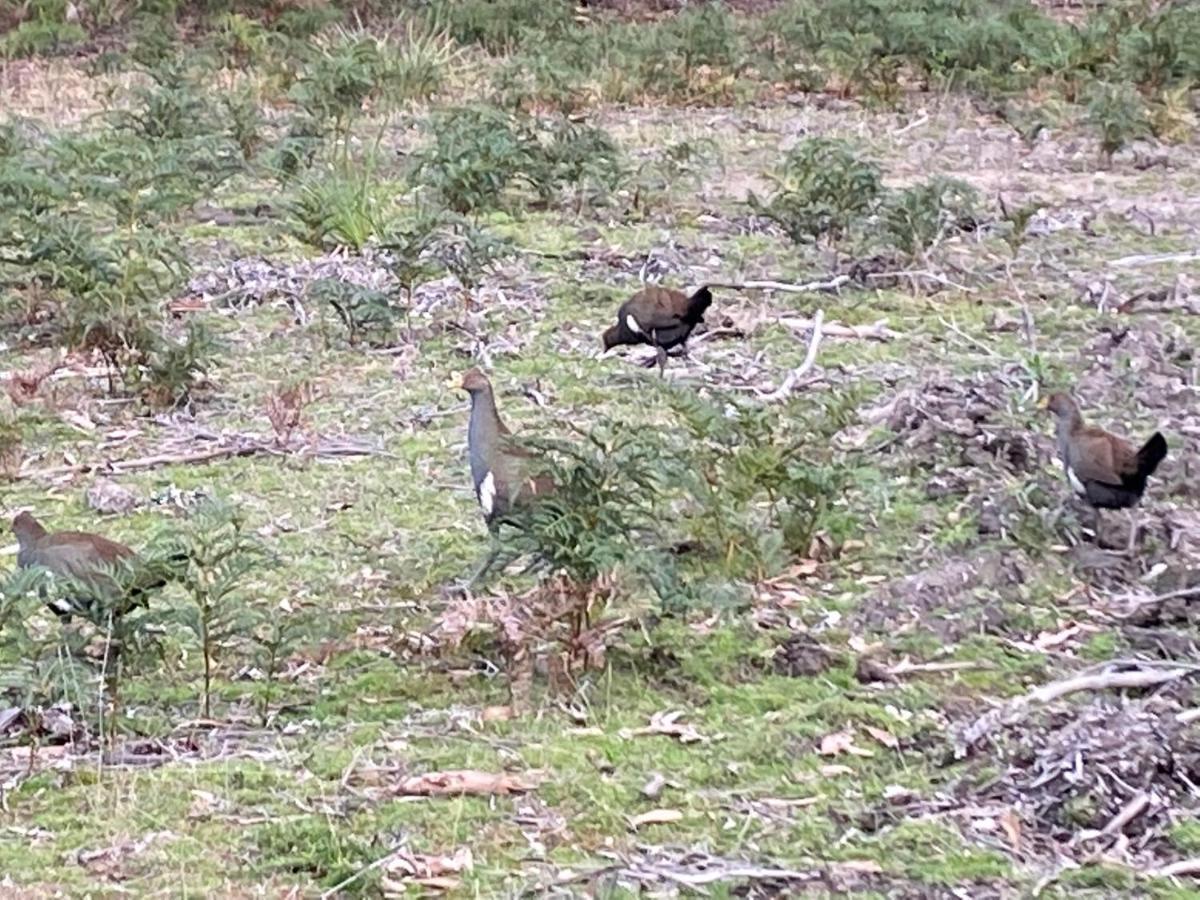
{"x":484,"y":567}
{"x":662,"y":361}
{"x":1133,"y":533}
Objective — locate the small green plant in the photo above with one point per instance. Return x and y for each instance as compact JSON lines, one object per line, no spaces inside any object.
{"x":1017,"y":221}
{"x":274,"y":637}
{"x":343,"y":206}
{"x":917,"y":217}
{"x":40,"y":37}
{"x":758,"y":484}
{"x":1118,"y":114}
{"x":499,"y":26}
{"x":220,"y":558}
{"x":476,"y":152}
{"x":822,"y":190}
{"x":174,"y":369}
{"x":583,"y":156}
{"x":244,"y":121}
{"x":365,"y":314}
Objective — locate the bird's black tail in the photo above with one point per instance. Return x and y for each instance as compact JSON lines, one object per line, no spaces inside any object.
{"x":698,"y":303}
{"x":1152,"y":453}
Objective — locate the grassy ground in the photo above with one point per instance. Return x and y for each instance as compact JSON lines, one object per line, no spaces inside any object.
{"x":822,"y":726}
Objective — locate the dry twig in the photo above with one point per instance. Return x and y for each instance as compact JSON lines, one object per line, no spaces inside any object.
{"x":810,"y":358}
{"x":1015,"y":710}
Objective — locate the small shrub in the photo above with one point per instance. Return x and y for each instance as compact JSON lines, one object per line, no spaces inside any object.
{"x":500,"y":26}
{"x":1172,"y":118}
{"x":758,"y":484}
{"x":219,"y":557}
{"x":822,"y":190}
{"x":39,"y":37}
{"x":917,"y":217}
{"x":583,"y":156}
{"x":364,"y":313}
{"x":350,"y":68}
{"x":173,"y":370}
{"x":1118,"y":114}
{"x":479,"y":152}
{"x":475,"y":154}
{"x":244,"y":121}
{"x":342,"y":207}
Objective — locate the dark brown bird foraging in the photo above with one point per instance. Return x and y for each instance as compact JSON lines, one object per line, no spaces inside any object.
{"x":1103,"y":469}
{"x":88,"y":560}
{"x":660,"y":317}
{"x":501,"y":469}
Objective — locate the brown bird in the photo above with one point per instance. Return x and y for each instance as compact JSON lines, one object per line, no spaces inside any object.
{"x":660,"y":317}
{"x":88,"y":561}
{"x":501,"y":469}
{"x":1103,"y":469}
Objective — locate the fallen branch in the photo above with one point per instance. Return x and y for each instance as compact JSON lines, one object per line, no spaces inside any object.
{"x":904,"y":667}
{"x":1137,"y":805}
{"x":915,"y":123}
{"x":810,"y":358}
{"x":1102,"y":681}
{"x":968,"y":338}
{"x":1150,"y":259}
{"x":877,"y":331}
{"x":246,"y":447}
{"x":1017,"y":709}
{"x":1188,"y":716}
{"x":1172,"y":870}
{"x":810,"y":287}
{"x":1162,"y":598}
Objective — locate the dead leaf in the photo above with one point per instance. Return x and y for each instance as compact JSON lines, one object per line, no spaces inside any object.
{"x":1049,"y":640}
{"x":886,"y":738}
{"x":466,"y":781}
{"x":433,"y":872}
{"x":859,"y":866}
{"x":835,"y":770}
{"x":841,"y":742}
{"x":107,"y":862}
{"x":655,"y":817}
{"x":1011,"y":823}
{"x":654,"y":787}
{"x":667,"y":723}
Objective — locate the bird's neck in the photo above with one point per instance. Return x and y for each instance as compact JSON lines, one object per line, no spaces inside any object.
{"x":485,"y":428}
{"x":1068,"y":425}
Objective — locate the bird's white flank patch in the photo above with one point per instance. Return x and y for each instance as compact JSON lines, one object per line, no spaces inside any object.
{"x":632,"y":324}
{"x":1075,"y":482}
{"x":487,"y":493}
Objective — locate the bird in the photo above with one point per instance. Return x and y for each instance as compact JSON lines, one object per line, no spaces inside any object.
{"x":91,"y":562}
{"x":1103,"y":469}
{"x":658,"y":316}
{"x":502,"y":471}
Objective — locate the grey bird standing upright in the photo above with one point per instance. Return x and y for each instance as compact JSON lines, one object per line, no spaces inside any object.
{"x":500,"y":468}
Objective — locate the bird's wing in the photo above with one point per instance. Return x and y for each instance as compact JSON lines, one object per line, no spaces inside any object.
{"x":659,"y":313}
{"x":1096,"y":455}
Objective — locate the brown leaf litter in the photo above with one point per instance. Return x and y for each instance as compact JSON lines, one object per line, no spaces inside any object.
{"x":1108,"y":773}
